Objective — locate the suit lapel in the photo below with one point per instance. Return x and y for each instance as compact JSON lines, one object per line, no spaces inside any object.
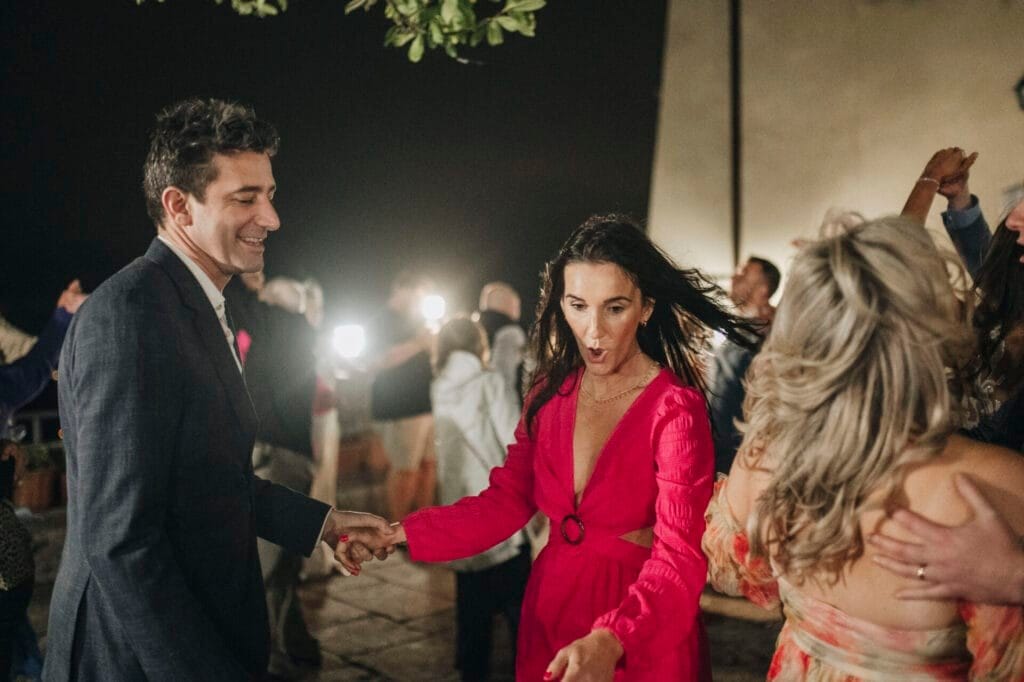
{"x":210,"y":332}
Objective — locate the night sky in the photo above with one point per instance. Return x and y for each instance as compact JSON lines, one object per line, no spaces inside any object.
{"x":467,"y":172}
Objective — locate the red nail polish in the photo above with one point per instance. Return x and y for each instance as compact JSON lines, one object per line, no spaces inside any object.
{"x":548,"y":675}
{"x":342,"y":538}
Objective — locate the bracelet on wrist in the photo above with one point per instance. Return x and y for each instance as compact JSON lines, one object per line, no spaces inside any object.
{"x":925,"y":178}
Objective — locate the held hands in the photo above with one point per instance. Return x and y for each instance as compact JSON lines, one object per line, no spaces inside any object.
{"x":980,"y":561}
{"x":588,"y":659}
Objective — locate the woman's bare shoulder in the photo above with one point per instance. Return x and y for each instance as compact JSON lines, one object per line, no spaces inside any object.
{"x":998,"y":472}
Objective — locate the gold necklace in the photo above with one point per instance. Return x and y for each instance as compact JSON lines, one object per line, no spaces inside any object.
{"x":644,"y":380}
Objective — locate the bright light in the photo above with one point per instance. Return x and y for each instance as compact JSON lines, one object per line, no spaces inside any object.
{"x":433,"y":308}
{"x":349,"y":340}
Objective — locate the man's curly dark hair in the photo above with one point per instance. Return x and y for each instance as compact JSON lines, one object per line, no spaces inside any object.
{"x":186,"y":137}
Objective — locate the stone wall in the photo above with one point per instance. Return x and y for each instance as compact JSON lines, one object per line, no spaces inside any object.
{"x":843,"y":101}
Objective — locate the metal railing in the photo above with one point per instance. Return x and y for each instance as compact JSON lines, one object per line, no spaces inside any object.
{"x":39,"y":427}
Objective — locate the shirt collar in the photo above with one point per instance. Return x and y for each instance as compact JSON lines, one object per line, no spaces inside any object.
{"x":209,"y":288}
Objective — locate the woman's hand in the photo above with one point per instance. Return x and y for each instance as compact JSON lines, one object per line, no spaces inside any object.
{"x":946,"y":164}
{"x":588,"y":659}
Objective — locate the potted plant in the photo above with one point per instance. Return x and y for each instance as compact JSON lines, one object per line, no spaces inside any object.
{"x":34,"y":489}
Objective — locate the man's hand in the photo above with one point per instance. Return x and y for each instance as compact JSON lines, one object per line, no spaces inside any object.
{"x":588,"y":659}
{"x":357,"y":537}
{"x":72,"y":297}
{"x":981,"y":561}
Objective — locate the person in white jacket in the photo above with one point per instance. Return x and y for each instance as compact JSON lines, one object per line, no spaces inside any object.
{"x":475,"y":416}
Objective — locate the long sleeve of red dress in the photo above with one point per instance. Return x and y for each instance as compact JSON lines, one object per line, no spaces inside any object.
{"x":666,"y":595}
{"x":475,"y":524}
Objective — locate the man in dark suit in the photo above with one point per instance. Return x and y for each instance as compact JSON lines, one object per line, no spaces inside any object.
{"x":160,"y":577}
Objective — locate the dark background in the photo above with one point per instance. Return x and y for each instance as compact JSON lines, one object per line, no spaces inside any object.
{"x":470,"y":172}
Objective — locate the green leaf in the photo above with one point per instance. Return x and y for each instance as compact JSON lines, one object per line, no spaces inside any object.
{"x":528,"y":24}
{"x":524,"y":5}
{"x":477,"y":35}
{"x":468,"y":14}
{"x":449,"y":8}
{"x":436,"y":34}
{"x":507,"y":22}
{"x":422,"y":24}
{"x":416,"y":50}
{"x":494,"y":36}
{"x":407,"y":8}
{"x":403,"y":37}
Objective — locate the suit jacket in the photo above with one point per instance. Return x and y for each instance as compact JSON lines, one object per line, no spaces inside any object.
{"x":160,"y":578}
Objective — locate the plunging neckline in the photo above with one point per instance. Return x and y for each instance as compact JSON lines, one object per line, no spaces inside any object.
{"x":577,"y":498}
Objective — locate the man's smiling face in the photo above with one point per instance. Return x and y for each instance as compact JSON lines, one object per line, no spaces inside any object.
{"x":231,"y":223}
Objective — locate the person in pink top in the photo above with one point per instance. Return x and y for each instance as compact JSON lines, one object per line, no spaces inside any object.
{"x":614,"y":446}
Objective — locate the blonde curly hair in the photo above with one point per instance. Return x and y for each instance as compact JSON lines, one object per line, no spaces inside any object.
{"x":859,"y":378}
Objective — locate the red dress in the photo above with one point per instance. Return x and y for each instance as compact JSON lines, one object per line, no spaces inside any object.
{"x":657,"y":469}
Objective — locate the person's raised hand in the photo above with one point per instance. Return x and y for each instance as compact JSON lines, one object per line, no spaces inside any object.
{"x":944,"y":163}
{"x":72,"y":297}
{"x":980,"y":561}
{"x":954,"y":187}
{"x":589,"y":659}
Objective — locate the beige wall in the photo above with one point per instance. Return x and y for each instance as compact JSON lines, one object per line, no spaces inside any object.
{"x":843,"y":103}
{"x":690,"y":212}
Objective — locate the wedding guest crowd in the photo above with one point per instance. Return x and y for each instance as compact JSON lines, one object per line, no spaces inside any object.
{"x":871,"y":428}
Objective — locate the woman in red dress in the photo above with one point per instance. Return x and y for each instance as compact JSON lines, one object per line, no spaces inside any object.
{"x":615,"y":448}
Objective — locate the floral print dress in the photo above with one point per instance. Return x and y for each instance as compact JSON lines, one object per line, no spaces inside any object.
{"x":820,"y":643}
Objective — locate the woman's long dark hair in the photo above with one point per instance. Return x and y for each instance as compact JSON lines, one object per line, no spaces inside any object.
{"x":1000,"y":288}
{"x":685,"y":308}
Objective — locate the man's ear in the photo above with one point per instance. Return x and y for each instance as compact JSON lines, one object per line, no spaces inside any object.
{"x":175,"y":203}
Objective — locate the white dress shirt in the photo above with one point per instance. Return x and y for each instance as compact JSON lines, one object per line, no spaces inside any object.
{"x":212,"y":293}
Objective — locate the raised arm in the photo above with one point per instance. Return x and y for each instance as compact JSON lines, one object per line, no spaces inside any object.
{"x":25,"y":378}
{"x":944,"y":169}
